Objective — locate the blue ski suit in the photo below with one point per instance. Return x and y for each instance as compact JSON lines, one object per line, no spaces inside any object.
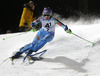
{"x":44,"y":35}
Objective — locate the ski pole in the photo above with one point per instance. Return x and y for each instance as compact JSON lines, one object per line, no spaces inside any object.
{"x":14,"y":36}
{"x":19,"y":34}
{"x":84,"y":39}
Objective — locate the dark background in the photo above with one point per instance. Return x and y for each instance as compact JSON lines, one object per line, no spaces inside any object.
{"x":11,"y":10}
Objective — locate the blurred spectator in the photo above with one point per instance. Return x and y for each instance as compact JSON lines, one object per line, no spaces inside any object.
{"x":27,"y":16}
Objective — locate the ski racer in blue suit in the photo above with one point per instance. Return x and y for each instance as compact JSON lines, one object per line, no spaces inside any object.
{"x":44,"y":35}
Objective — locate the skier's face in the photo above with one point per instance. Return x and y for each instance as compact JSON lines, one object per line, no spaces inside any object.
{"x":46,"y":16}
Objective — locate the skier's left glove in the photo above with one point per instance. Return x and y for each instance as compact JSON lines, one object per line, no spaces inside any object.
{"x":65,"y":27}
{"x":69,"y":31}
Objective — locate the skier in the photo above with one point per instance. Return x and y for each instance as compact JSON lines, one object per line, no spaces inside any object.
{"x":44,"y":35}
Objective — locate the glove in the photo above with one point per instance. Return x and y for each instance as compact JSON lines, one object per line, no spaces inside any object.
{"x":32,"y":24}
{"x":69,"y":31}
{"x":32,"y":27}
{"x":38,"y":26}
{"x":65,"y":27}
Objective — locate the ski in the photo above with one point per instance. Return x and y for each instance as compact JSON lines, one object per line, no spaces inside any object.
{"x":12,"y":60}
{"x":6,"y":61}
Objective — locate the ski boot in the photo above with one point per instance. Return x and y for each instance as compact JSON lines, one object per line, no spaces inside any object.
{"x":28,"y":53}
{"x":17,"y":55}
{"x":29,"y":58}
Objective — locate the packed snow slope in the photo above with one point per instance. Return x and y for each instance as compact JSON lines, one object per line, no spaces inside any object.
{"x":67,"y":55}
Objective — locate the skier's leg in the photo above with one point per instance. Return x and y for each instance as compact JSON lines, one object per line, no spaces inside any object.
{"x":27,"y":47}
{"x":38,"y":37}
{"x":35,"y":41}
{"x":22,"y":50}
{"x":42,"y":42}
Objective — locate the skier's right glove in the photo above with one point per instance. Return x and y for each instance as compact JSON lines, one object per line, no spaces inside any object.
{"x":32,"y":24}
{"x":36,"y":27}
{"x":69,"y":31}
{"x":33,"y":27}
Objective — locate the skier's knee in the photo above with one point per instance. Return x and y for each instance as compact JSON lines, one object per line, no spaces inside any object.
{"x":37,"y":37}
{"x":48,"y":39}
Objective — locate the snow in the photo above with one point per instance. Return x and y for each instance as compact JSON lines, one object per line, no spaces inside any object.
{"x":67,"y":54}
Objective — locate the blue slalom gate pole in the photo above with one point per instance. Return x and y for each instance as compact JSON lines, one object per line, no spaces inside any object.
{"x":41,"y":53}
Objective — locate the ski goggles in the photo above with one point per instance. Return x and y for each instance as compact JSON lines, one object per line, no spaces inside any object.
{"x":46,"y":15}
